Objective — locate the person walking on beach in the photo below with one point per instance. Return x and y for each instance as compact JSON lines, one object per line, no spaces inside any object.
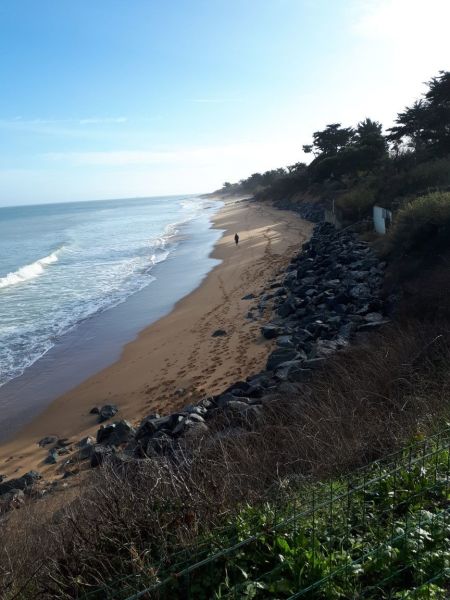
{"x":236,"y":238}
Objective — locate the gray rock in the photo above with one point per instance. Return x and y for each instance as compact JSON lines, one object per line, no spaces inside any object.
{"x":99,"y":454}
{"x":360,"y":291}
{"x":373,"y":317}
{"x":151,"y":424}
{"x":46,"y":441}
{"x":292,"y":370}
{"x":11,"y":500}
{"x":285,"y":309}
{"x":21,"y":483}
{"x":249,"y":297}
{"x":270,"y":331}
{"x":280,"y":355}
{"x":115,"y":434}
{"x":52,"y":457}
{"x":196,"y":430}
{"x":160,"y":444}
{"x":85,"y":446}
{"x":94,"y":410}
{"x":107,"y":412}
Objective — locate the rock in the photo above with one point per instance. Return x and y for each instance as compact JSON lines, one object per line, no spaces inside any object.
{"x":196,"y":430}
{"x":52,"y":457}
{"x":2,"y":477}
{"x":63,"y":442}
{"x":249,"y":297}
{"x":360,"y":291}
{"x":94,"y":411}
{"x":116,"y":433}
{"x":223,"y":399}
{"x":219,"y":333}
{"x":292,"y":370}
{"x":270,"y":331}
{"x":280,"y":355}
{"x":285,"y":309}
{"x":255,"y":391}
{"x":107,"y":412}
{"x":21,"y":483}
{"x":46,"y":441}
{"x":160,"y":444}
{"x":314,"y":363}
{"x":86,"y":446}
{"x":238,"y":385}
{"x":373,"y":317}
{"x":285,"y":341}
{"x":153,"y":423}
{"x":99,"y":454}
{"x":11,"y":500}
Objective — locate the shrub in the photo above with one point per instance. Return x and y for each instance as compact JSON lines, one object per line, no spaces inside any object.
{"x":422,"y":226}
{"x":357,"y":202}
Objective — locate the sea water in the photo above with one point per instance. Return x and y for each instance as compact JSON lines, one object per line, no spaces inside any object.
{"x":62,"y":264}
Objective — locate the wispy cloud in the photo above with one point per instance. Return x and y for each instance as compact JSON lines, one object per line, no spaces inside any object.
{"x":73,"y":127}
{"x":102,"y":120}
{"x":195,"y":156}
{"x":215,"y":100}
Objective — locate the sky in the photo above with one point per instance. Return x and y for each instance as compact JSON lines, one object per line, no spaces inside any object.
{"x":125,"y":98}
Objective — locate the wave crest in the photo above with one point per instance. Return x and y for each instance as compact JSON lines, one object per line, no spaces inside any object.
{"x":28,"y":272}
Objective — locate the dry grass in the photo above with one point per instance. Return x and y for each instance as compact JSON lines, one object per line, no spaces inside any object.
{"x":367,"y":401}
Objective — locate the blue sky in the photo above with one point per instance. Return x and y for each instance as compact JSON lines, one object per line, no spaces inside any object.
{"x":120,"y":98}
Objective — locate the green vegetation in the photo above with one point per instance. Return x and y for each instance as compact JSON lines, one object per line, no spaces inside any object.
{"x":382,"y":533}
{"x":422,"y":225}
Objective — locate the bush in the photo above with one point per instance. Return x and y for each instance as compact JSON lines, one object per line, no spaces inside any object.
{"x":414,"y":179}
{"x":357,"y":202}
{"x":422,"y":226}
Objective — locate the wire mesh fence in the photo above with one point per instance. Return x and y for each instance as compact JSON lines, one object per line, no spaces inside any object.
{"x":382,"y":532}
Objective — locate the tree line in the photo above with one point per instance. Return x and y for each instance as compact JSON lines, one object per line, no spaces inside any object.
{"x":412,"y":155}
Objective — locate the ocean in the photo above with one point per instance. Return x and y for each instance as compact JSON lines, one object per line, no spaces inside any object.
{"x":63,"y":265}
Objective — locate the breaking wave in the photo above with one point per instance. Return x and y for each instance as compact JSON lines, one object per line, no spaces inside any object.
{"x":28,"y":272}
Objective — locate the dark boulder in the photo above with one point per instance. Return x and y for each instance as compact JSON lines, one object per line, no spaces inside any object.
{"x":46,"y":441}
{"x":219,"y":333}
{"x":107,"y":412}
{"x":85,"y":446}
{"x":270,"y":331}
{"x":280,"y":355}
{"x":25,"y":482}
{"x":99,"y":454}
{"x":116,"y":433}
{"x":52,"y":457}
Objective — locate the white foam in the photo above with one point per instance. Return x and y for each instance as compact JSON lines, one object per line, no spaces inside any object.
{"x":28,"y":272}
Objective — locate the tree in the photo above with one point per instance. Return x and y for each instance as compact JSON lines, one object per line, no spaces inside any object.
{"x":425,"y":126}
{"x":330,"y":140}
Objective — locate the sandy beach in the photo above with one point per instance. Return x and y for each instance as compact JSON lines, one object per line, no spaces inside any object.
{"x":176,"y":360}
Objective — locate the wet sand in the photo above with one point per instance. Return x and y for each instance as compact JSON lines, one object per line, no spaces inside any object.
{"x":176,"y":361}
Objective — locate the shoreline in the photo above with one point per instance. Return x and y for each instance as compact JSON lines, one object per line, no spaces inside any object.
{"x":175,"y":361}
